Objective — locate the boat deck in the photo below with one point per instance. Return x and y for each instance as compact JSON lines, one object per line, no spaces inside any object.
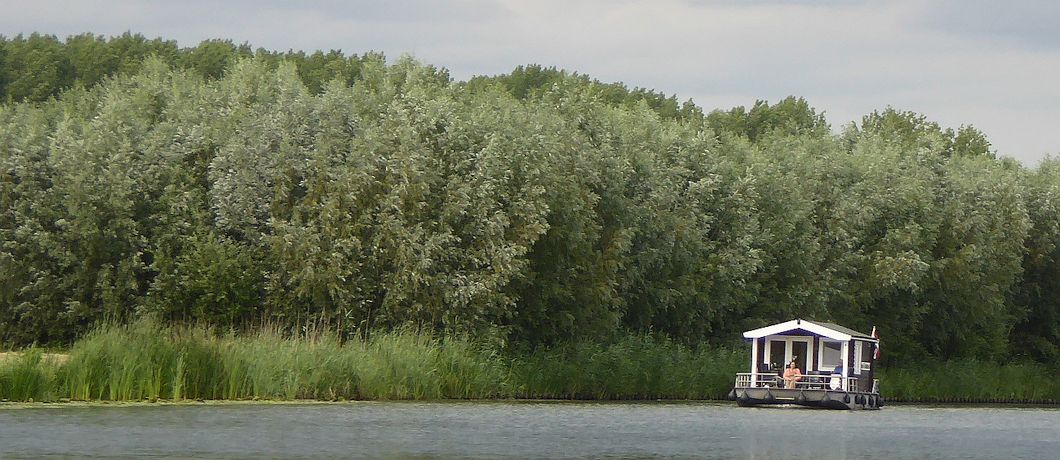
{"x":812,"y":391}
{"x":827,"y":399}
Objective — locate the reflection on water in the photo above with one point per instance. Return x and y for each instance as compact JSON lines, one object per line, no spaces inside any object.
{"x":526,"y":430}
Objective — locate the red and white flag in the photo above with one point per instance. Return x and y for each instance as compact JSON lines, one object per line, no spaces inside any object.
{"x":876,"y":354}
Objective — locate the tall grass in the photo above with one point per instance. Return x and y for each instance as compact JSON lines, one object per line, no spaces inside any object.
{"x":970,"y":380}
{"x":636,"y":367}
{"x":148,"y":361}
{"x":121,"y":363}
{"x":27,"y":378}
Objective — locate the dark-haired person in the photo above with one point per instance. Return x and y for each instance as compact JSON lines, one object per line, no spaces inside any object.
{"x":791,"y":375}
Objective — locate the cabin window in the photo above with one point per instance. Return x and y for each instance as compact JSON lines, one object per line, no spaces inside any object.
{"x":828,"y":355}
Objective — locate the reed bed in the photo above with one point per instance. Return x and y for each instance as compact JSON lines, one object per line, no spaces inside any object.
{"x":635,"y":367}
{"x":148,"y":361}
{"x":971,"y":380}
{"x":28,"y":377}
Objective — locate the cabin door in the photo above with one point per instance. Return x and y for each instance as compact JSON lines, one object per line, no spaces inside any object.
{"x":799,"y":352}
{"x":782,"y":350}
{"x":777,"y":354}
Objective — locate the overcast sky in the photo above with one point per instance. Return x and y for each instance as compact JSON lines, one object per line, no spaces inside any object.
{"x":991,"y":64}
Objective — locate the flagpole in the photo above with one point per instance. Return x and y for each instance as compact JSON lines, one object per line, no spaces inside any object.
{"x":876,"y":354}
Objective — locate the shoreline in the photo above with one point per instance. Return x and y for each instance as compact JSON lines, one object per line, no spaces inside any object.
{"x":14,"y":405}
{"x":146,"y":361}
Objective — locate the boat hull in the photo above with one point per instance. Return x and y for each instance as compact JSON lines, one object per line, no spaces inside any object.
{"x":819,"y":398}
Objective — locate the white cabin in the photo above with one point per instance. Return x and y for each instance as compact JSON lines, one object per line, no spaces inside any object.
{"x":834,"y":362}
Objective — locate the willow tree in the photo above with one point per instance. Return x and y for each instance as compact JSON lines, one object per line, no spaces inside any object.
{"x":1036,"y":300}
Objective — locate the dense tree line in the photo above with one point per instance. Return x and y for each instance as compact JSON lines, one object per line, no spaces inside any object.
{"x":37,"y":67}
{"x":229,"y":187}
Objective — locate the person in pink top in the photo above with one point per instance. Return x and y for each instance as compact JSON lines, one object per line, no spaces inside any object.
{"x":791,"y":375}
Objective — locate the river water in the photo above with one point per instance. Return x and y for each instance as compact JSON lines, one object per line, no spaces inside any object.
{"x":526,"y":430}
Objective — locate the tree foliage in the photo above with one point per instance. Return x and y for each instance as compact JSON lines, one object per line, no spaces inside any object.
{"x":225,"y":185}
{"x":39,"y":67}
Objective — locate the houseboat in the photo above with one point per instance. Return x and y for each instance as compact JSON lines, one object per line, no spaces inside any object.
{"x":830,"y":367}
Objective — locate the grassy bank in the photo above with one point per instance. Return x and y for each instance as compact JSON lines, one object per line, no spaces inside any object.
{"x":971,"y":380}
{"x":145,"y":361}
{"x":632,"y":368}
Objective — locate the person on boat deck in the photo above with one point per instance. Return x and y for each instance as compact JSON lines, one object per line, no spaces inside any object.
{"x":791,"y":375}
{"x":838,"y":368}
{"x":837,"y":375}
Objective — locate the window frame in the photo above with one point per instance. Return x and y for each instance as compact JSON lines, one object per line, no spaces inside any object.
{"x":820,"y":354}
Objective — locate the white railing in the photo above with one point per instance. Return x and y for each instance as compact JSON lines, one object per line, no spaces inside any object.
{"x":807,"y":382}
{"x":743,"y":380}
